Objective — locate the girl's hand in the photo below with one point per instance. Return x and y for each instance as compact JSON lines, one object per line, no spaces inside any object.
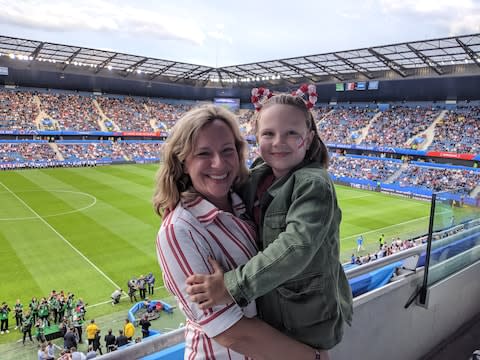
{"x":208,"y":290}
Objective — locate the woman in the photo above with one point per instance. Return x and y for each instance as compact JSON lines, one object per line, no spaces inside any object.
{"x":203,"y":157}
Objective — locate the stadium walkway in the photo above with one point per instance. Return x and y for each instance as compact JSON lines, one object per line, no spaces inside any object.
{"x":460,"y":345}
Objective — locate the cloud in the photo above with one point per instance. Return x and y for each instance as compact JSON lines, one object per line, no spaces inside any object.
{"x":100,"y":16}
{"x":459,"y":17}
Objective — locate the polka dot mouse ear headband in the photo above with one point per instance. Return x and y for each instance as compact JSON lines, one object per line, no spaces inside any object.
{"x":259,"y":96}
{"x":309,"y":92}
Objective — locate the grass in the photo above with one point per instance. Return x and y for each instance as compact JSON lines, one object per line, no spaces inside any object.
{"x":88,"y":230}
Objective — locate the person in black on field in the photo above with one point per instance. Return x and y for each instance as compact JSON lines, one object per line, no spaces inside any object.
{"x":121,"y":339}
{"x":110,"y":341}
{"x":145,"y":324}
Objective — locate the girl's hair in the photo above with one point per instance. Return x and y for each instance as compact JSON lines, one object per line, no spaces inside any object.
{"x":172,"y":184}
{"x":317,"y":150}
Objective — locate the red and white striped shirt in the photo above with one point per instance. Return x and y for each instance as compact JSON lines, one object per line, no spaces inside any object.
{"x":188,"y":236}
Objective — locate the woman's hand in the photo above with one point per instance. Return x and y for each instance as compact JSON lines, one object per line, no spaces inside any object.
{"x":208,"y":290}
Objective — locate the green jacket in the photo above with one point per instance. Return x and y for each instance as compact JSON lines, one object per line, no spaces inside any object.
{"x":297,"y":278}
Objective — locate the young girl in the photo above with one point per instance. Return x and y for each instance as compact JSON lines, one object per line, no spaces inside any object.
{"x":296,"y":277}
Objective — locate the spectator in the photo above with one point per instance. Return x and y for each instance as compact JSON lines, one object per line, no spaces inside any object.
{"x":128,"y":330}
{"x":116,"y":295}
{"x":96,"y":343}
{"x":70,"y":340}
{"x":145,"y":324}
{"x":4,"y":311}
{"x":109,"y":341}
{"x":27,"y":320}
{"x":50,"y":350}
{"x":77,"y":355}
{"x":151,"y":283}
{"x":91,"y":354}
{"x":121,"y":339}
{"x":91,"y":331}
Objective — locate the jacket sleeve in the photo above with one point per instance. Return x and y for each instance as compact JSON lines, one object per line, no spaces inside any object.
{"x":307,"y":225}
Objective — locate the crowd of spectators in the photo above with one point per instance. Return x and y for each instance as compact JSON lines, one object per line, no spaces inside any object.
{"x":139,"y":151}
{"x":70,"y":112}
{"x":127,"y":113}
{"x":437,"y":179}
{"x":343,"y":125}
{"x":397,"y":125}
{"x":165,"y":115}
{"x":458,"y":132}
{"x":384,"y":250}
{"x":18,"y":110}
{"x":26,"y":152}
{"x":106,"y":150}
{"x":374,"y":169}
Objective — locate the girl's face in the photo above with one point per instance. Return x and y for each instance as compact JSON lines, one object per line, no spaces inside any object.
{"x":283,"y":137}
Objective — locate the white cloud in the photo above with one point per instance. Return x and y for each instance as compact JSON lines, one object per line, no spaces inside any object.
{"x":457,"y":17}
{"x":100,"y":16}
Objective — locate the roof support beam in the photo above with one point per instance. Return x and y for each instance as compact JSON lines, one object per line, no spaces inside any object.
{"x":399,"y":69}
{"x":34,"y":53}
{"x":429,"y":62}
{"x":325,"y":69}
{"x":306,"y":74}
{"x":469,"y":51}
{"x":71,"y":58}
{"x":104,"y":63}
{"x":161,"y":71}
{"x":354,"y":66}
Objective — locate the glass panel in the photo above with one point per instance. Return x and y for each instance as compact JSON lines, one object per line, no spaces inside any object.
{"x":456,"y":234}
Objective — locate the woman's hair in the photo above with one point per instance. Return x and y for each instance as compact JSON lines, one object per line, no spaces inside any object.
{"x":172,"y":184}
{"x":317,"y":150}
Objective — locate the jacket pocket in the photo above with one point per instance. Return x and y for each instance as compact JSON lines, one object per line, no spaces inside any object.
{"x":276,"y":221}
{"x":307,"y":302}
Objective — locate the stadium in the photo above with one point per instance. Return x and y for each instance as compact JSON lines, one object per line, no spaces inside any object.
{"x":80,"y":136}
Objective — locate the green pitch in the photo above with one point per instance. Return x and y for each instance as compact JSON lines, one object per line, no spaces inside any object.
{"x":88,"y":230}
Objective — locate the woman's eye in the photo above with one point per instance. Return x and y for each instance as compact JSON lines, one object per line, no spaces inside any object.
{"x":203,"y":154}
{"x":228,"y":151}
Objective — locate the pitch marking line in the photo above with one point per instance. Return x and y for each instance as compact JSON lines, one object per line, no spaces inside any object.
{"x":61,"y":236}
{"x":390,"y":226}
{"x":123,"y":297}
{"x":94,"y":201}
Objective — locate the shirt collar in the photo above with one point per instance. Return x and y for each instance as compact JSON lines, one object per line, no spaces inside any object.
{"x":205,"y":212}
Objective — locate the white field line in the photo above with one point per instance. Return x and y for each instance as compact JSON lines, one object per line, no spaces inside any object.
{"x":123,"y":296}
{"x":61,"y":237}
{"x":386,"y":227}
{"x":389,"y":226}
{"x":61,"y":213}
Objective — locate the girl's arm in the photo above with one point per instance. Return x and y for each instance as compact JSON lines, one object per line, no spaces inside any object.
{"x":308,"y":224}
{"x":247,"y":336}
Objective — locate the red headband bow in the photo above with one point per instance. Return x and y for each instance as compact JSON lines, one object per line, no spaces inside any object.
{"x":310,"y":91}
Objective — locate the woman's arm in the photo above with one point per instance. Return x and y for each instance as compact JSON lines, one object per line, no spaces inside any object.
{"x":255,"y":338}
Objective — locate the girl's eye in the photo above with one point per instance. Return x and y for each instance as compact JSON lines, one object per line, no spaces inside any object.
{"x":267,"y":134}
{"x":292,"y":133}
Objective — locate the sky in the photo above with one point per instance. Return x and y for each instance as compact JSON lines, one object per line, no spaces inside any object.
{"x":221,"y":32}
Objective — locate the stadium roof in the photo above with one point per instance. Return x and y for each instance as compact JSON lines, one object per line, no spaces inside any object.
{"x":427,"y":57}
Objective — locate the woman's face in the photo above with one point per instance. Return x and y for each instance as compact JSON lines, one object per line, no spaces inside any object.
{"x":213,"y":164}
